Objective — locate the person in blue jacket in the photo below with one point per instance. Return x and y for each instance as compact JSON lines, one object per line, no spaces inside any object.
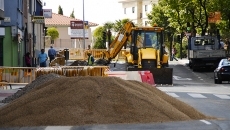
{"x":42,"y":58}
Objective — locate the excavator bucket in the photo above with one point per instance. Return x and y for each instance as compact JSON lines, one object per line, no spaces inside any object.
{"x":160,"y":75}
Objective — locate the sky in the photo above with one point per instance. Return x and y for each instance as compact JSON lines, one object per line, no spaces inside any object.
{"x":96,"y":11}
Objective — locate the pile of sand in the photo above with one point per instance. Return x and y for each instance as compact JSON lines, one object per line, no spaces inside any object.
{"x":94,"y":100}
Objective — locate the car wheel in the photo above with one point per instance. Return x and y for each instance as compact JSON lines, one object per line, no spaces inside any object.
{"x":217,"y":81}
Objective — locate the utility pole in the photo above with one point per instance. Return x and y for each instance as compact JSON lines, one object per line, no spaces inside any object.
{"x":83,"y":25}
{"x":34,"y":39}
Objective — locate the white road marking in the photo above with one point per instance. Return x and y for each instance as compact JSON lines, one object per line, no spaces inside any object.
{"x":58,"y":127}
{"x":173,"y":94}
{"x":196,"y":95}
{"x":206,"y":122}
{"x":222,"y":96}
{"x":179,"y":78}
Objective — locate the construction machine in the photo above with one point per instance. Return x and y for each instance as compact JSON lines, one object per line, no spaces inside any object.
{"x":146,"y":51}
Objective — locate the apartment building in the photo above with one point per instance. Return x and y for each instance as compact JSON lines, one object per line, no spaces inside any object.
{"x":136,"y":10}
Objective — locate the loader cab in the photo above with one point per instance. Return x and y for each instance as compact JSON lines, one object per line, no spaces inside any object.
{"x":144,"y":38}
{"x":147,"y":39}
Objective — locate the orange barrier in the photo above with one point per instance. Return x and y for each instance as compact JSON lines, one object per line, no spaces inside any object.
{"x":147,"y":77}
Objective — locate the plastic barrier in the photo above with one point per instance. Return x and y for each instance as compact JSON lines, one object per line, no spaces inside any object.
{"x":120,"y":74}
{"x":147,"y":77}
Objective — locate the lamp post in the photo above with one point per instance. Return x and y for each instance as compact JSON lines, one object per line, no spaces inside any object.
{"x":83,"y":25}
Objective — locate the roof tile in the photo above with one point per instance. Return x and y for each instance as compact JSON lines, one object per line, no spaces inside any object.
{"x":58,"y":19}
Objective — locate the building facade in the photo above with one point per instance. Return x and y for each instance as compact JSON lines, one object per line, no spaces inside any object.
{"x":136,"y":10}
{"x":16,"y":31}
{"x":62,"y":24}
{"x":1,"y":9}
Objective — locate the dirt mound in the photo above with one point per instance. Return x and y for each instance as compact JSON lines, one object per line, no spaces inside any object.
{"x":94,"y":100}
{"x":39,"y":81}
{"x":79,"y":63}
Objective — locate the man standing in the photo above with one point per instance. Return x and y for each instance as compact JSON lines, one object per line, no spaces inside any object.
{"x":51,"y":53}
{"x":42,"y":58}
{"x":90,"y":59}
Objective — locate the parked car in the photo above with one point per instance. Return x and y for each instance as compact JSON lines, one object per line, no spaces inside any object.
{"x":222,"y":72}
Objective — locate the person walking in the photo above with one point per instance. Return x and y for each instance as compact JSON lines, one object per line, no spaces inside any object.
{"x":51,"y":53}
{"x":174,"y":53}
{"x":42,"y":58}
{"x":90,"y":59}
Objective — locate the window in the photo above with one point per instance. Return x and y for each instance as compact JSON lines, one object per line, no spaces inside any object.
{"x":124,"y":10}
{"x":133,"y":9}
{"x":146,"y":7}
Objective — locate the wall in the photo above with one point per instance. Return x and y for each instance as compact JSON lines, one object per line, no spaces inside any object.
{"x":1,"y":9}
{"x":65,"y":41}
{"x":10,"y":49}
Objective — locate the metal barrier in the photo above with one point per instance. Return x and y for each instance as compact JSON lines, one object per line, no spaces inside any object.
{"x":25,"y":75}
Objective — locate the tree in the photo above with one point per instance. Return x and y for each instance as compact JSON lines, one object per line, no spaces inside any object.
{"x":72,"y":14}
{"x":53,"y":33}
{"x":119,"y":24}
{"x":60,"y":11}
{"x":98,"y":34}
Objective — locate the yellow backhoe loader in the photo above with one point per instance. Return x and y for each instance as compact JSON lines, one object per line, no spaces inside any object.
{"x":146,"y":51}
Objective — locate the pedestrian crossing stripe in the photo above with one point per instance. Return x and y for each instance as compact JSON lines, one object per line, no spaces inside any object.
{"x":196,"y":95}
{"x":222,"y":96}
{"x":173,"y":95}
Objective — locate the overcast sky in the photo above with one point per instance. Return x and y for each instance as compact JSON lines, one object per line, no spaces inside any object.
{"x":97,"y":11}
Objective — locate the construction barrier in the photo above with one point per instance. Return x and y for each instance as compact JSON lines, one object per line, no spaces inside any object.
{"x":161,"y":75}
{"x":147,"y":77}
{"x":25,"y":75}
{"x":141,"y":76}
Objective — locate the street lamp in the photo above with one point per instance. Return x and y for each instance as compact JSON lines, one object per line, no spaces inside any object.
{"x":83,"y":25}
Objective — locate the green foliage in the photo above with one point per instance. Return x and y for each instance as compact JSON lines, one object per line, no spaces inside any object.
{"x":184,"y":48}
{"x":119,"y":24}
{"x":53,"y":33}
{"x":72,"y":14}
{"x":99,"y":44}
{"x":60,"y":11}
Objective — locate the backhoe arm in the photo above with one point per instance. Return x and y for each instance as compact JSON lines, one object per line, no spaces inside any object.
{"x":122,"y":37}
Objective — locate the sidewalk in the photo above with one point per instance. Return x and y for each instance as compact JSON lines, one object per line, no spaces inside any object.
{"x":183,"y":61}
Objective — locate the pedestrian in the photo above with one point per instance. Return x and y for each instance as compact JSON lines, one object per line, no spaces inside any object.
{"x":51,"y":53}
{"x":174,"y":53}
{"x":28,"y":59}
{"x":89,"y":47}
{"x":42,"y":58}
{"x":90,"y":59}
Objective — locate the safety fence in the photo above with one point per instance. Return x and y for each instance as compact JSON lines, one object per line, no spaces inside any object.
{"x":81,"y":54}
{"x":25,"y":75}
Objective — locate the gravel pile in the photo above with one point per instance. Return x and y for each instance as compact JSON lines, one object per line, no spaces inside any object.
{"x":71,"y":101}
{"x":39,"y":81}
{"x":79,"y":63}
